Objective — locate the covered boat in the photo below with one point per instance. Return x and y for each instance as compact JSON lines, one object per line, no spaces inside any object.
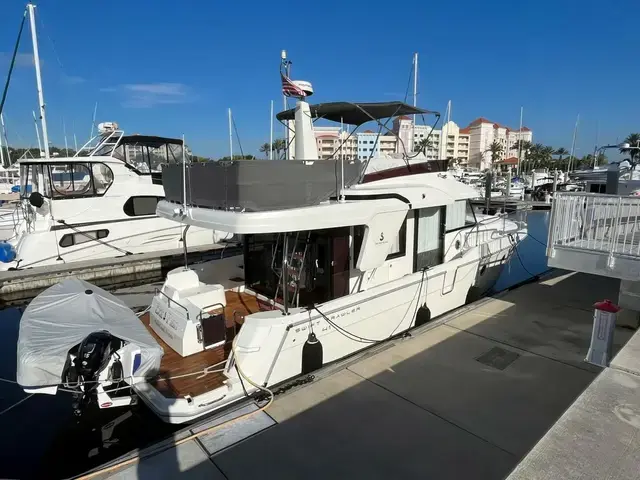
{"x":77,"y":336}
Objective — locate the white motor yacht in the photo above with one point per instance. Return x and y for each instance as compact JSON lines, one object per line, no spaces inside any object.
{"x":335,"y":260}
{"x":100,"y":203}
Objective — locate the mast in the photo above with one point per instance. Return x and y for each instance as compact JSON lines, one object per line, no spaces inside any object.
{"x":35,"y":122}
{"x":415,"y":99}
{"x":6,"y":140}
{"x":230,"y":138}
{"x":1,"y":151}
{"x":271,"y":134}
{"x":75,"y":140}
{"x":93,"y":120}
{"x":66,"y":146}
{"x":287,"y":69}
{"x":36,"y":60}
{"x":573,"y":143}
{"x":519,"y":142}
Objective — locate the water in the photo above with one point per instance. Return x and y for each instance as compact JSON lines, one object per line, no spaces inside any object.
{"x":42,"y":438}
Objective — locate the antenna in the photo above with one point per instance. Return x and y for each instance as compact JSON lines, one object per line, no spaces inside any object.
{"x":36,"y":60}
{"x":230,"y":138}
{"x":35,"y":121}
{"x":415,"y":100}
{"x":93,"y":120}
{"x":287,"y":69}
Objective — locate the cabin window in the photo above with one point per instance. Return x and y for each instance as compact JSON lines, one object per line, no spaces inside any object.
{"x":75,"y":180}
{"x":71,"y":239}
{"x":428,"y":238}
{"x":598,"y":188}
{"x":139,"y":206}
{"x":460,"y":215}
{"x":398,"y":245}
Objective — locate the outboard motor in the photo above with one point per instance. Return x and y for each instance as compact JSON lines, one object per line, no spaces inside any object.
{"x":84,"y":367}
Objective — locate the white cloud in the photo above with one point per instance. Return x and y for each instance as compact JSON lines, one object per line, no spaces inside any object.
{"x":71,"y":79}
{"x":22,"y":59}
{"x":147,"y":95}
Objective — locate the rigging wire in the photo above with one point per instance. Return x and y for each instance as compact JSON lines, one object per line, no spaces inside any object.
{"x":237,"y":136}
{"x":13,"y":62}
{"x":16,"y":404}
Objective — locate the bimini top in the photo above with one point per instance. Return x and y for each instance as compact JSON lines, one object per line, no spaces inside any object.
{"x":61,"y":317}
{"x":357,"y":113}
{"x":149,"y":140}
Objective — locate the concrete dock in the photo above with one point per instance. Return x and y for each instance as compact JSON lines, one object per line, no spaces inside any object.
{"x":467,"y":396}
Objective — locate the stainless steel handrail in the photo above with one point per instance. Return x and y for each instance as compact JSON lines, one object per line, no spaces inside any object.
{"x":169,"y":300}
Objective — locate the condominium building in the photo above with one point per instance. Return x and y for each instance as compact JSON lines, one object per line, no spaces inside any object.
{"x":372,"y":145}
{"x":484,"y":132}
{"x":467,"y":147}
{"x":450,"y":141}
{"x":329,"y":140}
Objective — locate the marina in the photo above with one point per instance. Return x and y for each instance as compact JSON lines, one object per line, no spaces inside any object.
{"x":377,"y":292}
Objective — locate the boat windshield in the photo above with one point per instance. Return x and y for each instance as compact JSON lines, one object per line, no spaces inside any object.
{"x":148,"y":155}
{"x":71,"y":180}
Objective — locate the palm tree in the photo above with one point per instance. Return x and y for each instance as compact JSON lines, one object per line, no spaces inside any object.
{"x":422,"y":145}
{"x":266,"y":149}
{"x":496,"y":149}
{"x":522,"y":147}
{"x":561,"y":152}
{"x":279,"y":145}
{"x":633,"y":139}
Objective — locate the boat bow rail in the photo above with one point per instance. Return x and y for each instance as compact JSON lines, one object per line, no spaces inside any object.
{"x":595,"y":233}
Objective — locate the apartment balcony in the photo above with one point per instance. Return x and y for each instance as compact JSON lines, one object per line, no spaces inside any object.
{"x":596,"y":233}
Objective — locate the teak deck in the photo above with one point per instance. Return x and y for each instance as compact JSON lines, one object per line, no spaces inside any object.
{"x":172,"y":364}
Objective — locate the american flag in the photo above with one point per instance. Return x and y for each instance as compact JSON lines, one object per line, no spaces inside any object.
{"x":290,"y":89}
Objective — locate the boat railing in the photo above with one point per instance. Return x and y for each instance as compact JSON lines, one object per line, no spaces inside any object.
{"x":608,"y":224}
{"x":170,"y":300}
{"x":103,"y":144}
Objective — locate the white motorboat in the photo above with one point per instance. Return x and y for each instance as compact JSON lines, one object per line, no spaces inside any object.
{"x":335,"y":260}
{"x":98,"y":204}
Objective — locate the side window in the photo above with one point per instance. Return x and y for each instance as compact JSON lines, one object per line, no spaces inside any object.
{"x":399,"y":244}
{"x":138,"y":206}
{"x":71,"y":239}
{"x":71,"y":180}
{"x":102,"y":177}
{"x":459,"y":215}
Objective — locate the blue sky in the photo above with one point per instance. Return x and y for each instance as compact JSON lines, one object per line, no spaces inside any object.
{"x":170,"y":68}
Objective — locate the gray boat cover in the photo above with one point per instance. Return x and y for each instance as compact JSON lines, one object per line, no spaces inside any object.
{"x":61,"y":317}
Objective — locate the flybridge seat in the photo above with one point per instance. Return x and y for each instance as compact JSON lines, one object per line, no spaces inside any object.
{"x":180,"y":314}
{"x":254,"y":185}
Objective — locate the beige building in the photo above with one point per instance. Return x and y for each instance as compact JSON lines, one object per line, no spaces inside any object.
{"x":466,"y":147}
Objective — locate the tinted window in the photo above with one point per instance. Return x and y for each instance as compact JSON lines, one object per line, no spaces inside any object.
{"x":71,"y":239}
{"x":137,"y":206}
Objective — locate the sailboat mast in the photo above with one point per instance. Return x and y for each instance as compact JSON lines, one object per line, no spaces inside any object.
{"x":415,"y":99}
{"x":271,"y":134}
{"x":6,"y":140}
{"x":230,"y":138}
{"x":2,"y":152}
{"x":93,"y":119}
{"x":36,"y":60}
{"x":573,"y":143}
{"x":66,"y":146}
{"x":35,"y":122}
{"x":519,"y":141}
